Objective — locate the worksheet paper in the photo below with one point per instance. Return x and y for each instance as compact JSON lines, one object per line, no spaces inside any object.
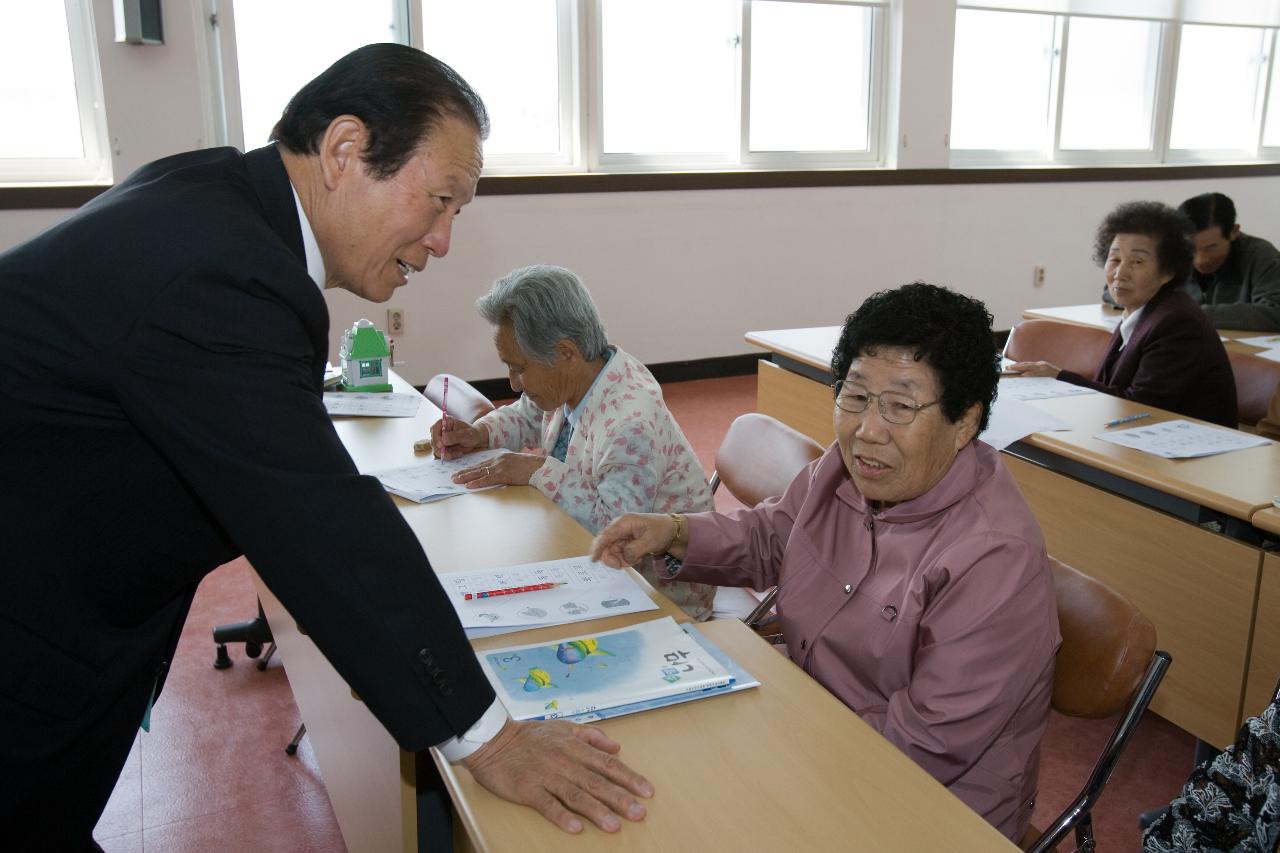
{"x":389,"y":405}
{"x":1012,"y":420}
{"x":590,"y":590}
{"x":1182,"y":439}
{"x":1264,"y":341}
{"x":1027,"y":388}
{"x":431,"y":479}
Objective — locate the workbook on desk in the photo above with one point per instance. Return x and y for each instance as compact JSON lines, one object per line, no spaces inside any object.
{"x":432,"y":479}
{"x":550,"y":592}
{"x":590,"y":674}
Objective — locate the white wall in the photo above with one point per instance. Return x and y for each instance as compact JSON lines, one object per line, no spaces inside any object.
{"x":682,"y":275}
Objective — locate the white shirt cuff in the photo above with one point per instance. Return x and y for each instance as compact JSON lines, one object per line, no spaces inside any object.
{"x":484,"y":730}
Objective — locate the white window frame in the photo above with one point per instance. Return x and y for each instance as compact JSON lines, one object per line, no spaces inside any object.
{"x":1269,"y":152}
{"x":94,"y":166}
{"x":1052,"y":154}
{"x":1186,"y":156}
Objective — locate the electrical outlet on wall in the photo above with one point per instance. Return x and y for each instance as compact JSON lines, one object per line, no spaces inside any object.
{"x":395,"y":321}
{"x":1037,"y":276}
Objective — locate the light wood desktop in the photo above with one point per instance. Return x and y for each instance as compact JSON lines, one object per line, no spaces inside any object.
{"x":731,"y":770}
{"x":1125,"y":517}
{"x":1099,"y":315}
{"x":784,"y":766}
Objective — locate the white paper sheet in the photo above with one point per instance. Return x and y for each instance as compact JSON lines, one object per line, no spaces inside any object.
{"x":1011,"y":420}
{"x":432,"y":479}
{"x":1269,"y":354}
{"x":1026,"y":388}
{"x":389,"y":405}
{"x":1264,"y":341}
{"x":590,"y":590}
{"x":1182,"y":439}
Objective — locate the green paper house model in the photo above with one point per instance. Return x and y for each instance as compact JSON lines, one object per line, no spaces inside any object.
{"x":366,"y":360}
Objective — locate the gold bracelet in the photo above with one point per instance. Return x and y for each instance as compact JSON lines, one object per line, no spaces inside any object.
{"x":675,"y":537}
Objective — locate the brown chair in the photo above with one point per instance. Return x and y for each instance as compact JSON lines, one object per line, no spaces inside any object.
{"x":1079,"y":349}
{"x":465,"y":402}
{"x":1256,"y":382}
{"x":758,"y":459}
{"x":1108,"y":662}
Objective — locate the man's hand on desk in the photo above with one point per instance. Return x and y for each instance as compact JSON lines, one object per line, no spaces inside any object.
{"x":560,"y":769}
{"x":458,"y":439}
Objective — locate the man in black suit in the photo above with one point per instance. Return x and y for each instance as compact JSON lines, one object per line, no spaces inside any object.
{"x":161,"y":412}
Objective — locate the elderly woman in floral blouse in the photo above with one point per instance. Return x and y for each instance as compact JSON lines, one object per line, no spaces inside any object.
{"x":590,"y":428}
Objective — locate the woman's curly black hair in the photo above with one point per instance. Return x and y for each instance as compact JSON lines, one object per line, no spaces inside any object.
{"x":1161,"y":223}
{"x":947,"y":330}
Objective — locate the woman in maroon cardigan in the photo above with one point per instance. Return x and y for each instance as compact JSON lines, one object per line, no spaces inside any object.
{"x":1165,"y":352}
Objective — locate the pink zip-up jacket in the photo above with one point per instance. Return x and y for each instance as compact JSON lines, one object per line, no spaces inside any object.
{"x":934,"y":620}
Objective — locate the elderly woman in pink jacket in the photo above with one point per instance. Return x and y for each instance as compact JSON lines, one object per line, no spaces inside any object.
{"x":912,"y":578}
{"x":590,"y":429}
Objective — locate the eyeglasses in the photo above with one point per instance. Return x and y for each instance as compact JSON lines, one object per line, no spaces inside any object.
{"x":895,"y":408}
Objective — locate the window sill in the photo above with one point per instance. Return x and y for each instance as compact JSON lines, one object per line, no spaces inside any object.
{"x":65,"y":197}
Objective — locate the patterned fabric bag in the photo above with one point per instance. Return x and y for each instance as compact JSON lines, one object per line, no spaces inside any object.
{"x":1231,"y":803}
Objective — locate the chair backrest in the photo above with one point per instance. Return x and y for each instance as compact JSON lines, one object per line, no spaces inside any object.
{"x":1108,"y":662}
{"x":1256,"y":381}
{"x":1079,"y":349}
{"x":1106,"y":646}
{"x":465,"y":402}
{"x":758,"y":459}
{"x":760,"y":456}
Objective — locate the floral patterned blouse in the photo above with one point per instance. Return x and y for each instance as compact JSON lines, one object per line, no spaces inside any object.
{"x":627,"y":454}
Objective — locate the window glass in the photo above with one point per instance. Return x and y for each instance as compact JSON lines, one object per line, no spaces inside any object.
{"x":514,"y":67}
{"x":38,"y":83}
{"x":1271,"y":130}
{"x":669,"y":76}
{"x":809,"y":77}
{"x":282,"y":44}
{"x":1217,"y":88}
{"x":1110,"y":83}
{"x":1002,"y":79}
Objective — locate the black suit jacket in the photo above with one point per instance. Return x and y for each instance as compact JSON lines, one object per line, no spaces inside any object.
{"x":1174,"y":360}
{"x":161,"y":413}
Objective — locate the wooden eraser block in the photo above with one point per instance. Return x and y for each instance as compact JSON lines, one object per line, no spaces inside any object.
{"x":422,"y":445}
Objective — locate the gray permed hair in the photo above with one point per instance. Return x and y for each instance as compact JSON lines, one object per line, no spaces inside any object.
{"x":544,"y":305}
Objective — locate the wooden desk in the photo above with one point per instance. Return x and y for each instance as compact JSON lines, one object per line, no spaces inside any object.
{"x":1264,"y":660}
{"x":785,"y":766}
{"x":1130,"y":519}
{"x":727,"y":770}
{"x":1099,"y":315}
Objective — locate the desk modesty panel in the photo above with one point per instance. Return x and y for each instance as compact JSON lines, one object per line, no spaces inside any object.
{"x":784,"y":766}
{"x":1197,"y":587}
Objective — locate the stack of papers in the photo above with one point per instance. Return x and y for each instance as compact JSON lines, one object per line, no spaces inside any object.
{"x":589,"y":676}
{"x":1182,"y":439}
{"x":584,"y":589}
{"x":432,"y":479}
{"x":389,"y":405}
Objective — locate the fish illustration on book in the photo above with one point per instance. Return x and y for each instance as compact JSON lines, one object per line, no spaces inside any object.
{"x":537,"y":680}
{"x":576,"y":651}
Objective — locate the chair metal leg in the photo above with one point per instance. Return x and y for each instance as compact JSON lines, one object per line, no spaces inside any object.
{"x":292,"y":748}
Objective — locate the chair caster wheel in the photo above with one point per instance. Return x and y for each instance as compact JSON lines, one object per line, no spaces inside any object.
{"x":291,"y":749}
{"x":252,"y":649}
{"x":223,"y":660}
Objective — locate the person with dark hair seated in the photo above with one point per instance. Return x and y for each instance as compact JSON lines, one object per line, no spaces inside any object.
{"x":1235,"y":277}
{"x":1165,"y":352}
{"x":912,"y":577}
